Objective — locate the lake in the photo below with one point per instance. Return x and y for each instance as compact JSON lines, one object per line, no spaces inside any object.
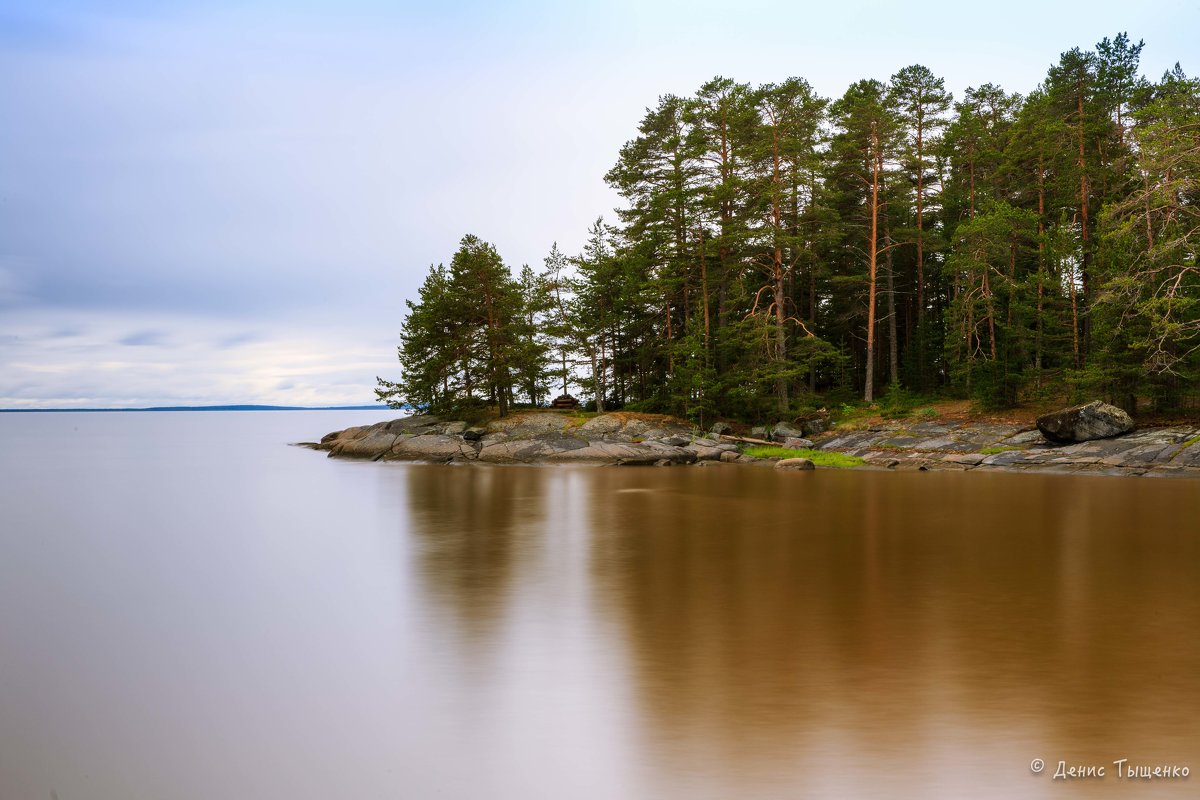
{"x":191,"y":609}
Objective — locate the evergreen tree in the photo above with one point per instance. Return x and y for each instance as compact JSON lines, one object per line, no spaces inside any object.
{"x":921,"y":102}
{"x":863,"y":149}
{"x":557,"y":321}
{"x":768,"y":241}
{"x":1150,"y":302}
{"x":463,"y":335}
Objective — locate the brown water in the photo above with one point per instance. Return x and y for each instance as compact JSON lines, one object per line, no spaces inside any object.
{"x":186,"y":617}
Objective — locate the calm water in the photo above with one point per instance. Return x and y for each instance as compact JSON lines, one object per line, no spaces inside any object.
{"x":190,"y":609}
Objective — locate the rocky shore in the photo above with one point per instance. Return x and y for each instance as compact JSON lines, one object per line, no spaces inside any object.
{"x":548,"y":437}
{"x":937,"y":445}
{"x":535,"y":437}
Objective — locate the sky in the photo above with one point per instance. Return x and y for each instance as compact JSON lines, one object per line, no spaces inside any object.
{"x":229,"y":202}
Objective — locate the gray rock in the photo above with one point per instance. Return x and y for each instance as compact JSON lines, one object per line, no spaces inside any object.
{"x":417,"y":423}
{"x":599,"y":426}
{"x":473,"y":434}
{"x":706,"y":450}
{"x":970,"y":459}
{"x":729,"y":456}
{"x":941,"y":443}
{"x":798,"y":444}
{"x":794,"y":463}
{"x":759,"y":432}
{"x":1024,"y":437}
{"x":1005,"y":459}
{"x":1095,"y":420}
{"x":815,"y":425}
{"x":330,"y":439}
{"x":784,"y":431}
{"x":641,"y":429}
{"x":1188,"y":456}
{"x":524,"y":424}
{"x":371,"y":442}
{"x":431,"y":447}
{"x":677,"y":441}
{"x":454,"y":428}
{"x":514,"y":451}
{"x":644,"y":453}
{"x":718,"y":429}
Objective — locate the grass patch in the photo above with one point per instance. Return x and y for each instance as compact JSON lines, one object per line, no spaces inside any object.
{"x":991,"y":451}
{"x":821,"y":458}
{"x":1186,"y":445}
{"x":927,"y":413}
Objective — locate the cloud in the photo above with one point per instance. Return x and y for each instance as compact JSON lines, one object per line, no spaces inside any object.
{"x":143,"y":339}
{"x":13,"y":285}
{"x":203,"y":202}
{"x":238,"y":339}
{"x":177,"y":360}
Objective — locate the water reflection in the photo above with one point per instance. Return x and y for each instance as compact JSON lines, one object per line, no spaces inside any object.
{"x":899,"y":625}
{"x":752,"y":633}
{"x":185,"y":624}
{"x":475,"y":529}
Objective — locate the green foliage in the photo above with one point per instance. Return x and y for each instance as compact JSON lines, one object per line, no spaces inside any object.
{"x":471,"y":338}
{"x":820,"y":458}
{"x":896,"y":402}
{"x":1015,"y":246}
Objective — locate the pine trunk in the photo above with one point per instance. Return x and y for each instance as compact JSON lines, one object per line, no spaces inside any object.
{"x":876,"y":166}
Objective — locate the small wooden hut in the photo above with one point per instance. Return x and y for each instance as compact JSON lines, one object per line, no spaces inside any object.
{"x":564,"y":401}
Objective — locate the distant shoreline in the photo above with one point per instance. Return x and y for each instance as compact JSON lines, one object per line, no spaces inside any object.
{"x":193,"y":408}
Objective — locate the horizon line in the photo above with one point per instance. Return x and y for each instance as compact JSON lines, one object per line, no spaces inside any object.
{"x":228,"y":407}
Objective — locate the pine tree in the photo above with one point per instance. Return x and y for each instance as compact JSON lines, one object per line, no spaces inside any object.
{"x":462,"y":336}
{"x":433,"y":350}
{"x":1150,"y":302}
{"x":921,"y":101}
{"x":863,"y":149}
{"x":557,"y":322}
{"x":785,"y":158}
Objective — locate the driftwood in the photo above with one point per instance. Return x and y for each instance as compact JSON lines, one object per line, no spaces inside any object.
{"x":745,"y":439}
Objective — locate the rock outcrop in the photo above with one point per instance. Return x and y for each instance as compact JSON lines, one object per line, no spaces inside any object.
{"x":1153,"y":452}
{"x":1095,"y":420}
{"x":526,"y":438}
{"x":617,"y":438}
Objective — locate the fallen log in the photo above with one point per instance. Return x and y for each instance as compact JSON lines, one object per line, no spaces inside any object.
{"x":745,"y":439}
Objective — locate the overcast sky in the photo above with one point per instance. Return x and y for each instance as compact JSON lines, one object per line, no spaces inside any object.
{"x":229,"y":202}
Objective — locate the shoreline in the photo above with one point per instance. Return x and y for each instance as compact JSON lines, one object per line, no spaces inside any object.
{"x":623,"y":438}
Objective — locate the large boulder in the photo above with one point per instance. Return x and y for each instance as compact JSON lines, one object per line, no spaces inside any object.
{"x":1095,"y":420}
{"x":785,"y":430}
{"x":794,"y":463}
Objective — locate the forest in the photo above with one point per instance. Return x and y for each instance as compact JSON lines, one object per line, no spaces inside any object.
{"x":778,"y":251}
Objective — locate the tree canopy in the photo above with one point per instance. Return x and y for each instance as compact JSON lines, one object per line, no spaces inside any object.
{"x":777,"y":250}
